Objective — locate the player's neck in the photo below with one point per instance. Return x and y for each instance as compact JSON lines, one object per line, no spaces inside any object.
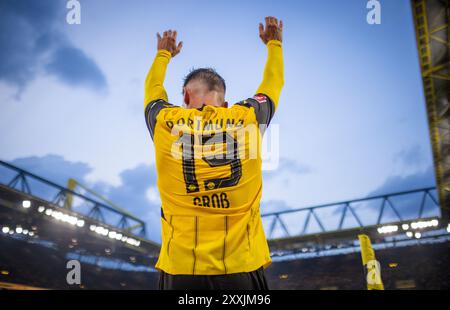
{"x":213,"y":98}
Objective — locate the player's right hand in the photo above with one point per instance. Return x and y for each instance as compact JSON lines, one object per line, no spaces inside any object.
{"x":168,"y":42}
{"x":272,"y":31}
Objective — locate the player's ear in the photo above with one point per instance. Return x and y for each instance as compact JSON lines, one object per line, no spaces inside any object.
{"x":225,"y":104}
{"x":186,"y":96}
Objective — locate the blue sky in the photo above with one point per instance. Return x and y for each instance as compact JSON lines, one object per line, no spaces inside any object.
{"x":352,"y":115}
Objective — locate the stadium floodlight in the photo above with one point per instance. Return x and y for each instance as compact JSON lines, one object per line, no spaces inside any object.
{"x":31,"y":234}
{"x":387,"y":229}
{"x":127,"y":240}
{"x":26,"y":204}
{"x":448,"y":228}
{"x":133,"y":241}
{"x":112,"y":234}
{"x":418,"y":235}
{"x":57,"y":215}
{"x":415,"y":225}
{"x":405,"y":226}
{"x":73,"y":220}
{"x":25,"y":231}
{"x":80,"y":223}
{"x":99,"y":230}
{"x":409,"y":234}
{"x":65,"y":217}
{"x":11,"y":232}
{"x":92,"y":227}
{"x":5,"y":229}
{"x":424,"y":224}
{"x":19,"y":229}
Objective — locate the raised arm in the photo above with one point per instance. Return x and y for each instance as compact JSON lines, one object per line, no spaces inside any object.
{"x":167,"y":48}
{"x":273,"y":79}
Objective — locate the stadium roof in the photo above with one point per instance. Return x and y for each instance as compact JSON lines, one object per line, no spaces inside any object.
{"x":51,"y":222}
{"x":45,"y":203}
{"x":432,"y":24}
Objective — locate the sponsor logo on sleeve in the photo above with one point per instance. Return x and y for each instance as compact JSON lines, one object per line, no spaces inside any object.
{"x":260,"y":98}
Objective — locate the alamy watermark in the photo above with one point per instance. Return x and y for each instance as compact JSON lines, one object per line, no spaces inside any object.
{"x":73,"y":277}
{"x":374,"y":15}
{"x":373,"y":272}
{"x":222,"y":142}
{"x":73,"y":16}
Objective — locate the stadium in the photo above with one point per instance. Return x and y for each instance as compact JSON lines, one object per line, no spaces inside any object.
{"x":44,"y":224}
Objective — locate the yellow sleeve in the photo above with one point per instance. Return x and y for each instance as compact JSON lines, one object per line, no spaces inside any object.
{"x":273,"y":80}
{"x":154,"y":88}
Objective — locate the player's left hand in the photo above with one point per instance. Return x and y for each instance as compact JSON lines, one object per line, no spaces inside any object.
{"x":168,"y":42}
{"x":272,"y":31}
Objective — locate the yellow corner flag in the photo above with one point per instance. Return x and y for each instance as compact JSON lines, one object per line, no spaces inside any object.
{"x":371,"y":266}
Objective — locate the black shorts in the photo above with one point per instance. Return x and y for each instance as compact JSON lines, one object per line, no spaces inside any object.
{"x":254,"y":280}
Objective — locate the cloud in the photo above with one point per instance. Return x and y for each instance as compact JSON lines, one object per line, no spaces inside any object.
{"x":287,"y":170}
{"x":290,"y":166}
{"x":73,"y":67}
{"x":132,"y":194}
{"x":153,"y":195}
{"x":285,"y":182}
{"x":408,"y":205}
{"x":53,"y":167}
{"x":274,"y":206}
{"x":412,"y":156}
{"x":30,"y":39}
{"x":396,"y":183}
{"x":412,"y":159}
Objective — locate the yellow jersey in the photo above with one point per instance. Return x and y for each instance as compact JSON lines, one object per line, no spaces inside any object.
{"x":209,"y":177}
{"x":210,"y":183}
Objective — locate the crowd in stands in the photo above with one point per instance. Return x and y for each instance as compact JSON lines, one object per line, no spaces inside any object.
{"x":421,"y":266}
{"x":45,"y":267}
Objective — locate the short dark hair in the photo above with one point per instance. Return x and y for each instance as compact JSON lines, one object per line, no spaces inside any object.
{"x":207,"y":75}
